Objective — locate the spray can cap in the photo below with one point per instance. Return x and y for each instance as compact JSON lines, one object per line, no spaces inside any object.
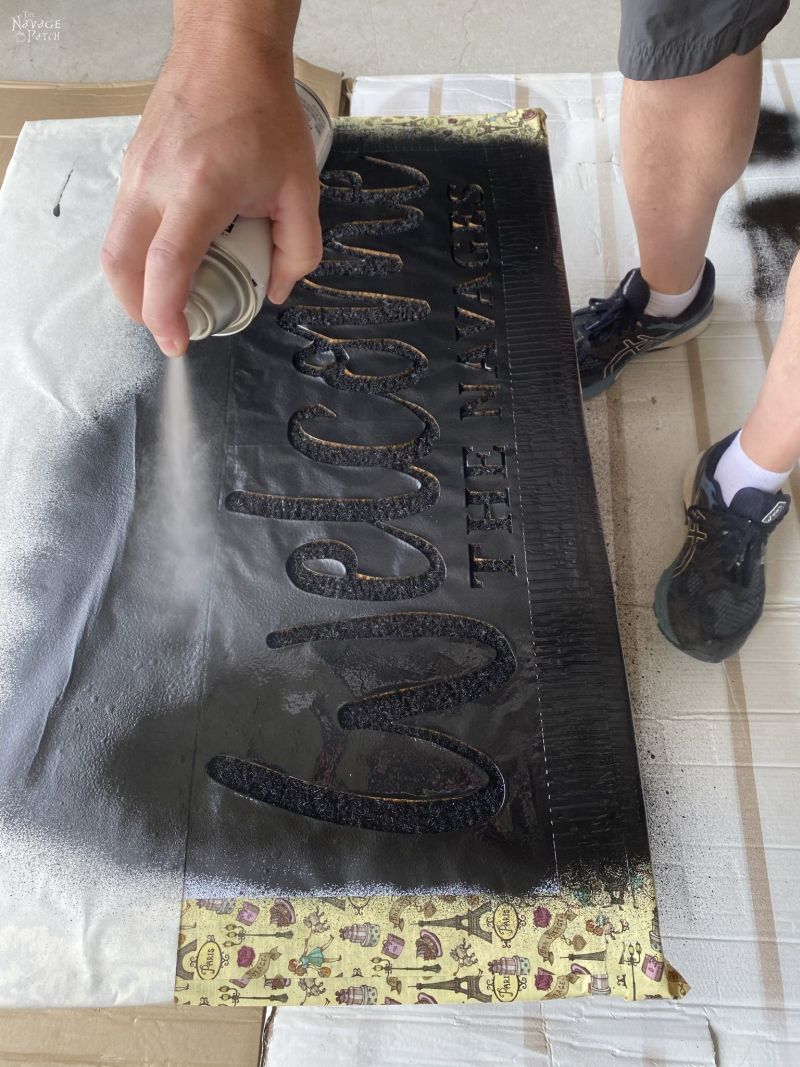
{"x":199,"y":317}
{"x":221,"y":300}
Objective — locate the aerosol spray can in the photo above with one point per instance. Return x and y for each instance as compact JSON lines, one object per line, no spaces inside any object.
{"x":230,"y":284}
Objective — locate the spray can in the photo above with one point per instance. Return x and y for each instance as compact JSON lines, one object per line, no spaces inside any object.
{"x":230,"y":284}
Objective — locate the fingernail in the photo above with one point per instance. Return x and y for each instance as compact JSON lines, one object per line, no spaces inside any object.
{"x":169,"y":346}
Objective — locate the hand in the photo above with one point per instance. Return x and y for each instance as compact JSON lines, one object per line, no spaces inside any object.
{"x":223,"y":134}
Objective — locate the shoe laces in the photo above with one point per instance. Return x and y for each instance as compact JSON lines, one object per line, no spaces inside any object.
{"x":612,"y":315}
{"x":738,"y":541}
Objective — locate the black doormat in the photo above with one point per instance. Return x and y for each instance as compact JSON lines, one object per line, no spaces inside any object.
{"x":411,"y":580}
{"x":372,"y":711}
{"x":412,"y":594}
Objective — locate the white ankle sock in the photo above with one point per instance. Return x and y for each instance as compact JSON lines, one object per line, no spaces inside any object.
{"x":735,"y":470}
{"x":669,"y":304}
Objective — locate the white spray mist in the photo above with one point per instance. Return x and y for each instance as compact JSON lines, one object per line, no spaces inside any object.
{"x":182,"y":495}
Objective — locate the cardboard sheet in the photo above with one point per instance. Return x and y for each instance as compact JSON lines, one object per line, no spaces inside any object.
{"x":142,"y":1037}
{"x":731,"y":835}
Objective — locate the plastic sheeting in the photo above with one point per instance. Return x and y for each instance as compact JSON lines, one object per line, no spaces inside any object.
{"x":90,"y":893}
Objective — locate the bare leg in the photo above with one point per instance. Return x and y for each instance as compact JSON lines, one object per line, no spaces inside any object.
{"x":685,"y":141}
{"x":771,"y":435}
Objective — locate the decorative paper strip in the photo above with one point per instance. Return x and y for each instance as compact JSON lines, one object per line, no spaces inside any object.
{"x":423,"y":949}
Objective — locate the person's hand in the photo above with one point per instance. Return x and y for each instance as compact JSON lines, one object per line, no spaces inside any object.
{"x":223,"y":134}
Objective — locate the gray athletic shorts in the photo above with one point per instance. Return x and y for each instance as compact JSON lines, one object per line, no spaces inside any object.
{"x":673,"y":38}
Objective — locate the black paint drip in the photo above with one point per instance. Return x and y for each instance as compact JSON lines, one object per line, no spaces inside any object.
{"x":57,"y":205}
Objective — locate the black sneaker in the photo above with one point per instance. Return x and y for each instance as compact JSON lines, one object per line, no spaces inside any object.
{"x":712,"y":596}
{"x":610,"y":332}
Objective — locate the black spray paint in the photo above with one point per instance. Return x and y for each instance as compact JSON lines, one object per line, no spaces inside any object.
{"x":777,"y":137}
{"x":772,"y":223}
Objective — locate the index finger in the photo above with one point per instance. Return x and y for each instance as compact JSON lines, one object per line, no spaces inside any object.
{"x":175,"y":253}
{"x":122,"y":257}
{"x":296,"y":239}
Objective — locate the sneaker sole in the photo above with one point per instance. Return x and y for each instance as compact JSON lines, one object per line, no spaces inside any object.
{"x":674,"y":342}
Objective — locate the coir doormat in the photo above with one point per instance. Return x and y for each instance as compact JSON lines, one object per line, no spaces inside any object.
{"x":329,"y":675}
{"x":414,"y":775}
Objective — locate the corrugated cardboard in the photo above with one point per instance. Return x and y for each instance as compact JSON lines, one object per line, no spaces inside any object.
{"x":146,"y":1037}
{"x":26,"y":101}
{"x":719,"y":748}
{"x":142,"y":1037}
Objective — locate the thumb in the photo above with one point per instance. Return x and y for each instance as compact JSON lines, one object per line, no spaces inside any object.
{"x":297,"y":243}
